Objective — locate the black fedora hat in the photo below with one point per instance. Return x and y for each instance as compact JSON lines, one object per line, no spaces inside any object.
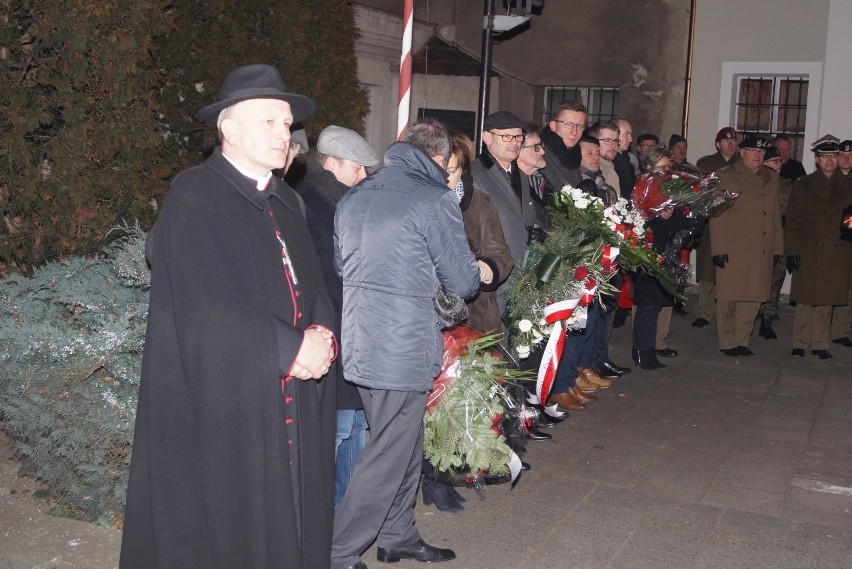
{"x":256,"y":81}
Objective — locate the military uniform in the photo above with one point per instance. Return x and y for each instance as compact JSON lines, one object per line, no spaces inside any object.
{"x":841,"y":320}
{"x":749,"y":234}
{"x":813,"y":235}
{"x":705,"y":270}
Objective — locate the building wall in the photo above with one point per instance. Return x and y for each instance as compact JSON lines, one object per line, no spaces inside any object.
{"x":781,"y":32}
{"x":639,"y":46}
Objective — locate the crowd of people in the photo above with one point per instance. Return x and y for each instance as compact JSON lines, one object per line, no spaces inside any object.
{"x":293,"y":336}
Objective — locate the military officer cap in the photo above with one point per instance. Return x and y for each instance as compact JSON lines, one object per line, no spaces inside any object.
{"x":726,"y":133}
{"x":828,"y":144}
{"x":846,"y":146}
{"x":758,"y":142}
{"x":771,"y":153}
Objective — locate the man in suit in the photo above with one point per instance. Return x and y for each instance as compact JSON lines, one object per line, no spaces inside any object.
{"x":496,"y":172}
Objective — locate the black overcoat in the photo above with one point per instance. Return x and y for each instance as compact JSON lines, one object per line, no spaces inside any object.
{"x":210,"y":476}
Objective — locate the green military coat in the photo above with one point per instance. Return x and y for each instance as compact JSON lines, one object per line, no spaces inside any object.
{"x":813,"y":233}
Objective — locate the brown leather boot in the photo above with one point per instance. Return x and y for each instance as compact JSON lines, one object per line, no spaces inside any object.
{"x":594,"y":378}
{"x":585,"y":385}
{"x":580,"y":396}
{"x":565,"y":401}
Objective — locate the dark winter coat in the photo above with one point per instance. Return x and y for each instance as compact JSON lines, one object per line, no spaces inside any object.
{"x":321,"y":191}
{"x":211,"y":482}
{"x":647,"y":289}
{"x":396,"y":235}
{"x":813,"y":233}
{"x":563,"y":163}
{"x":485,"y":235}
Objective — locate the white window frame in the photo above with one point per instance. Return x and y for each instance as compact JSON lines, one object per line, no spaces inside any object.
{"x":733,"y":70}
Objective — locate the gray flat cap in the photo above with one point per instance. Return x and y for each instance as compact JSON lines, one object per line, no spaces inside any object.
{"x":344,"y":143}
{"x":299,"y":137}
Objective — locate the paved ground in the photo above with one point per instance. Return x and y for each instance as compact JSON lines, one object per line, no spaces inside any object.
{"x":713,"y":462}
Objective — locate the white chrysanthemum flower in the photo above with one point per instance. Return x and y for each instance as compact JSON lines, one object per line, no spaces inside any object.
{"x":523,"y":351}
{"x":581,"y":203}
{"x":610,"y":224}
{"x":525,"y":325}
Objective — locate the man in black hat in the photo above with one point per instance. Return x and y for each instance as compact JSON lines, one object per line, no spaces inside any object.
{"x":496,"y":172}
{"x":678,"y":147}
{"x":646,"y":141}
{"x":817,"y":257}
{"x":233,"y":456}
{"x":744,"y":242}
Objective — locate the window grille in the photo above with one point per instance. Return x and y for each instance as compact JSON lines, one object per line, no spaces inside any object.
{"x":601,"y":102}
{"x":770,"y":105}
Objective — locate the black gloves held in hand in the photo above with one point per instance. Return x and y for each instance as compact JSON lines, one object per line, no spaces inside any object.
{"x":793,"y":263}
{"x":719,"y":260}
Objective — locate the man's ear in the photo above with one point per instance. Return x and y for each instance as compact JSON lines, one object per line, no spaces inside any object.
{"x":229,"y":130}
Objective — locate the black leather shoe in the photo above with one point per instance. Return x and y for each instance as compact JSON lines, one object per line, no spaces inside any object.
{"x":798,"y":352}
{"x":607,"y":371}
{"x":545,"y":421}
{"x":733,"y":352}
{"x":823,"y":354}
{"x":744,"y":351}
{"x":700,"y":323}
{"x":536,"y":435}
{"x":418,"y":551}
{"x":766,"y":330}
{"x":667,"y":353}
{"x":844,"y":341}
{"x":647,"y":359}
{"x":525,"y":465}
{"x":438,"y":493}
{"x":359,"y":565}
{"x":618,"y":369}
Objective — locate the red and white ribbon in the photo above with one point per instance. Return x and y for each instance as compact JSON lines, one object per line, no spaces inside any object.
{"x":405,"y":69}
{"x":554,"y":314}
{"x":608,"y":259}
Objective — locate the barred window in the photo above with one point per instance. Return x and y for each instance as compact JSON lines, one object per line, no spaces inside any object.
{"x":770,"y":105}
{"x":601,"y":102}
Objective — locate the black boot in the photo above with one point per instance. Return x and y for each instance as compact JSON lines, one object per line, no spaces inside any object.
{"x":766,"y":330}
{"x":439,"y":494}
{"x":647,"y":359}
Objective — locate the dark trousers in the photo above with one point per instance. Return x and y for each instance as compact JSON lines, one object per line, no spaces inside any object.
{"x":378,"y":503}
{"x":610,"y":303}
{"x":645,"y":326}
{"x":578,"y":352}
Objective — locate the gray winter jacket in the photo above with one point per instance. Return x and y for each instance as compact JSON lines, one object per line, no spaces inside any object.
{"x":396,"y":234}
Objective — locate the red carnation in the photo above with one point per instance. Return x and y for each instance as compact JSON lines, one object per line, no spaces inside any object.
{"x":580,"y":273}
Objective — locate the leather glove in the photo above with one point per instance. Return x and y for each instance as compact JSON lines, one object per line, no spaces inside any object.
{"x":535,"y":234}
{"x":588,"y":187}
{"x":719,"y":260}
{"x":793,"y":263}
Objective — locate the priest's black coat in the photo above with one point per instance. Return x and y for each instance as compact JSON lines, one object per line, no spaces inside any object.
{"x":210,"y":475}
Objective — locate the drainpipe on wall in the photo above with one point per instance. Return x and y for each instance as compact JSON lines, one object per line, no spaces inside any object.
{"x":688,"y":87}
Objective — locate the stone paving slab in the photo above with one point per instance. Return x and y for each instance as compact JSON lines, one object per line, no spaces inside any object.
{"x":713,"y":462}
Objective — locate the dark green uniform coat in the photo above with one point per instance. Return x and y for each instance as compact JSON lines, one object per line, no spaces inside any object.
{"x":813,"y":233}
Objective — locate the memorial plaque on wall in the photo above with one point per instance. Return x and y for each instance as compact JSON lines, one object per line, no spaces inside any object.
{"x":464,"y":121}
